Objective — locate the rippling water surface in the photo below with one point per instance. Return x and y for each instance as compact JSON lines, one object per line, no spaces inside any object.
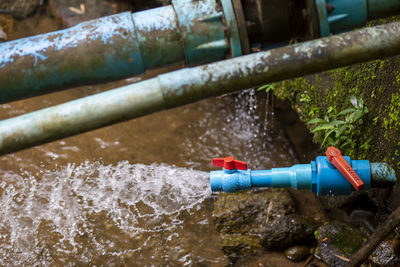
{"x":103,"y":214}
{"x":115,"y":197}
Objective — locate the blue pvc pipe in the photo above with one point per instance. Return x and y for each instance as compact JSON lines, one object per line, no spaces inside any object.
{"x":350,"y":14}
{"x":319,"y":176}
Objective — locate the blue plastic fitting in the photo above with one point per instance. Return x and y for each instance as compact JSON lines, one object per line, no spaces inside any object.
{"x":320,"y":176}
{"x":337,"y":16}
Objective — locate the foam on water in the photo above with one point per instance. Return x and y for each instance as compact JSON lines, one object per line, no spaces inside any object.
{"x":88,"y":212}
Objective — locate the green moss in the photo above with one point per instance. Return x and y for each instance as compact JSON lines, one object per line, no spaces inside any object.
{"x":348,"y":242}
{"x":326,"y":94}
{"x":316,"y":234}
{"x":236,"y":245}
{"x":393,"y":120}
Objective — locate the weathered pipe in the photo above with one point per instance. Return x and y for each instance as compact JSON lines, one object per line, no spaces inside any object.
{"x":186,"y":32}
{"x":117,"y":47}
{"x":192,"y":84}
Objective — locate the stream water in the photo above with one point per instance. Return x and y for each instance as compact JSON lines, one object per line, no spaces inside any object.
{"x":115,"y":196}
{"x":136,"y":193}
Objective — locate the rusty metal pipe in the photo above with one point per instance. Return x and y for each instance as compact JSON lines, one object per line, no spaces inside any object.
{"x":192,"y":84}
{"x":184,"y":33}
{"x":117,"y":47}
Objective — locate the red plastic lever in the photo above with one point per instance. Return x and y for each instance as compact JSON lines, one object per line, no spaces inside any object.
{"x":335,"y":157}
{"x":229,"y":163}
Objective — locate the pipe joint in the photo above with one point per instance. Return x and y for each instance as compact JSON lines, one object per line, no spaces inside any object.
{"x":320,"y":177}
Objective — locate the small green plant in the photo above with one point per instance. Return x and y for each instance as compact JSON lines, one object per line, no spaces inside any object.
{"x":267,"y":87}
{"x":338,"y":129}
{"x":316,"y":234}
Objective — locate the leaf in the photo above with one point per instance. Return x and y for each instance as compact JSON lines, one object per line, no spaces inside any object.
{"x":345,"y":144}
{"x":323,"y":127}
{"x":327,"y":135}
{"x":361,"y":102}
{"x":267,"y":87}
{"x":353,"y":101}
{"x":316,"y":120}
{"x":341,"y":130}
{"x":334,"y":143}
{"x":345,"y":111}
{"x":337,"y":122}
{"x":357,"y":115}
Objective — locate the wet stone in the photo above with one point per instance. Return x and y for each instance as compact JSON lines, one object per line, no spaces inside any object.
{"x":337,"y":242}
{"x":384,"y":255}
{"x":297,"y":253}
{"x":72,"y":12}
{"x":285,"y":231}
{"x":19,"y":8}
{"x":252,"y":221}
{"x":235,"y":245}
{"x":6,"y":26}
{"x":247,"y":211}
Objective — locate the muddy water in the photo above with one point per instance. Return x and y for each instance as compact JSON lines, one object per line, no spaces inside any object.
{"x":135,"y":193}
{"x":112,"y":196}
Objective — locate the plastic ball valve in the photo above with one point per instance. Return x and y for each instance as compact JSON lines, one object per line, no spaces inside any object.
{"x":333,"y":174}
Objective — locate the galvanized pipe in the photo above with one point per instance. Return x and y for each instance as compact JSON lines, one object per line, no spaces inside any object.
{"x":117,"y":47}
{"x":186,"y":32}
{"x":192,"y":84}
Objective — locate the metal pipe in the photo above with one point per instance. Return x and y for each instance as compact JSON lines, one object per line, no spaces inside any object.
{"x":192,"y":84}
{"x":117,"y":47}
{"x":186,"y":32}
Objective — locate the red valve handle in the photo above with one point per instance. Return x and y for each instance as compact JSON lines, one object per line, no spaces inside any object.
{"x":335,"y":157}
{"x":229,"y":163}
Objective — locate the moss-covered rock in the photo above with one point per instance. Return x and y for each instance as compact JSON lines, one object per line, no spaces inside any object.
{"x":337,"y":242}
{"x":247,"y":211}
{"x":286,"y":231}
{"x":252,"y":221}
{"x":237,"y":245}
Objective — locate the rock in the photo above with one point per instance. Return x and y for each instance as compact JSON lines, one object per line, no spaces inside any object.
{"x":363,"y":218}
{"x":7,"y":24}
{"x":248,"y":211}
{"x":269,"y":259}
{"x":337,"y":242}
{"x":252,"y":221}
{"x":3,"y":35}
{"x":72,"y":12}
{"x":287,"y":230}
{"x":19,"y":8}
{"x":384,"y":255}
{"x":297,"y":253}
{"x":235,"y":245}
{"x":373,"y":200}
